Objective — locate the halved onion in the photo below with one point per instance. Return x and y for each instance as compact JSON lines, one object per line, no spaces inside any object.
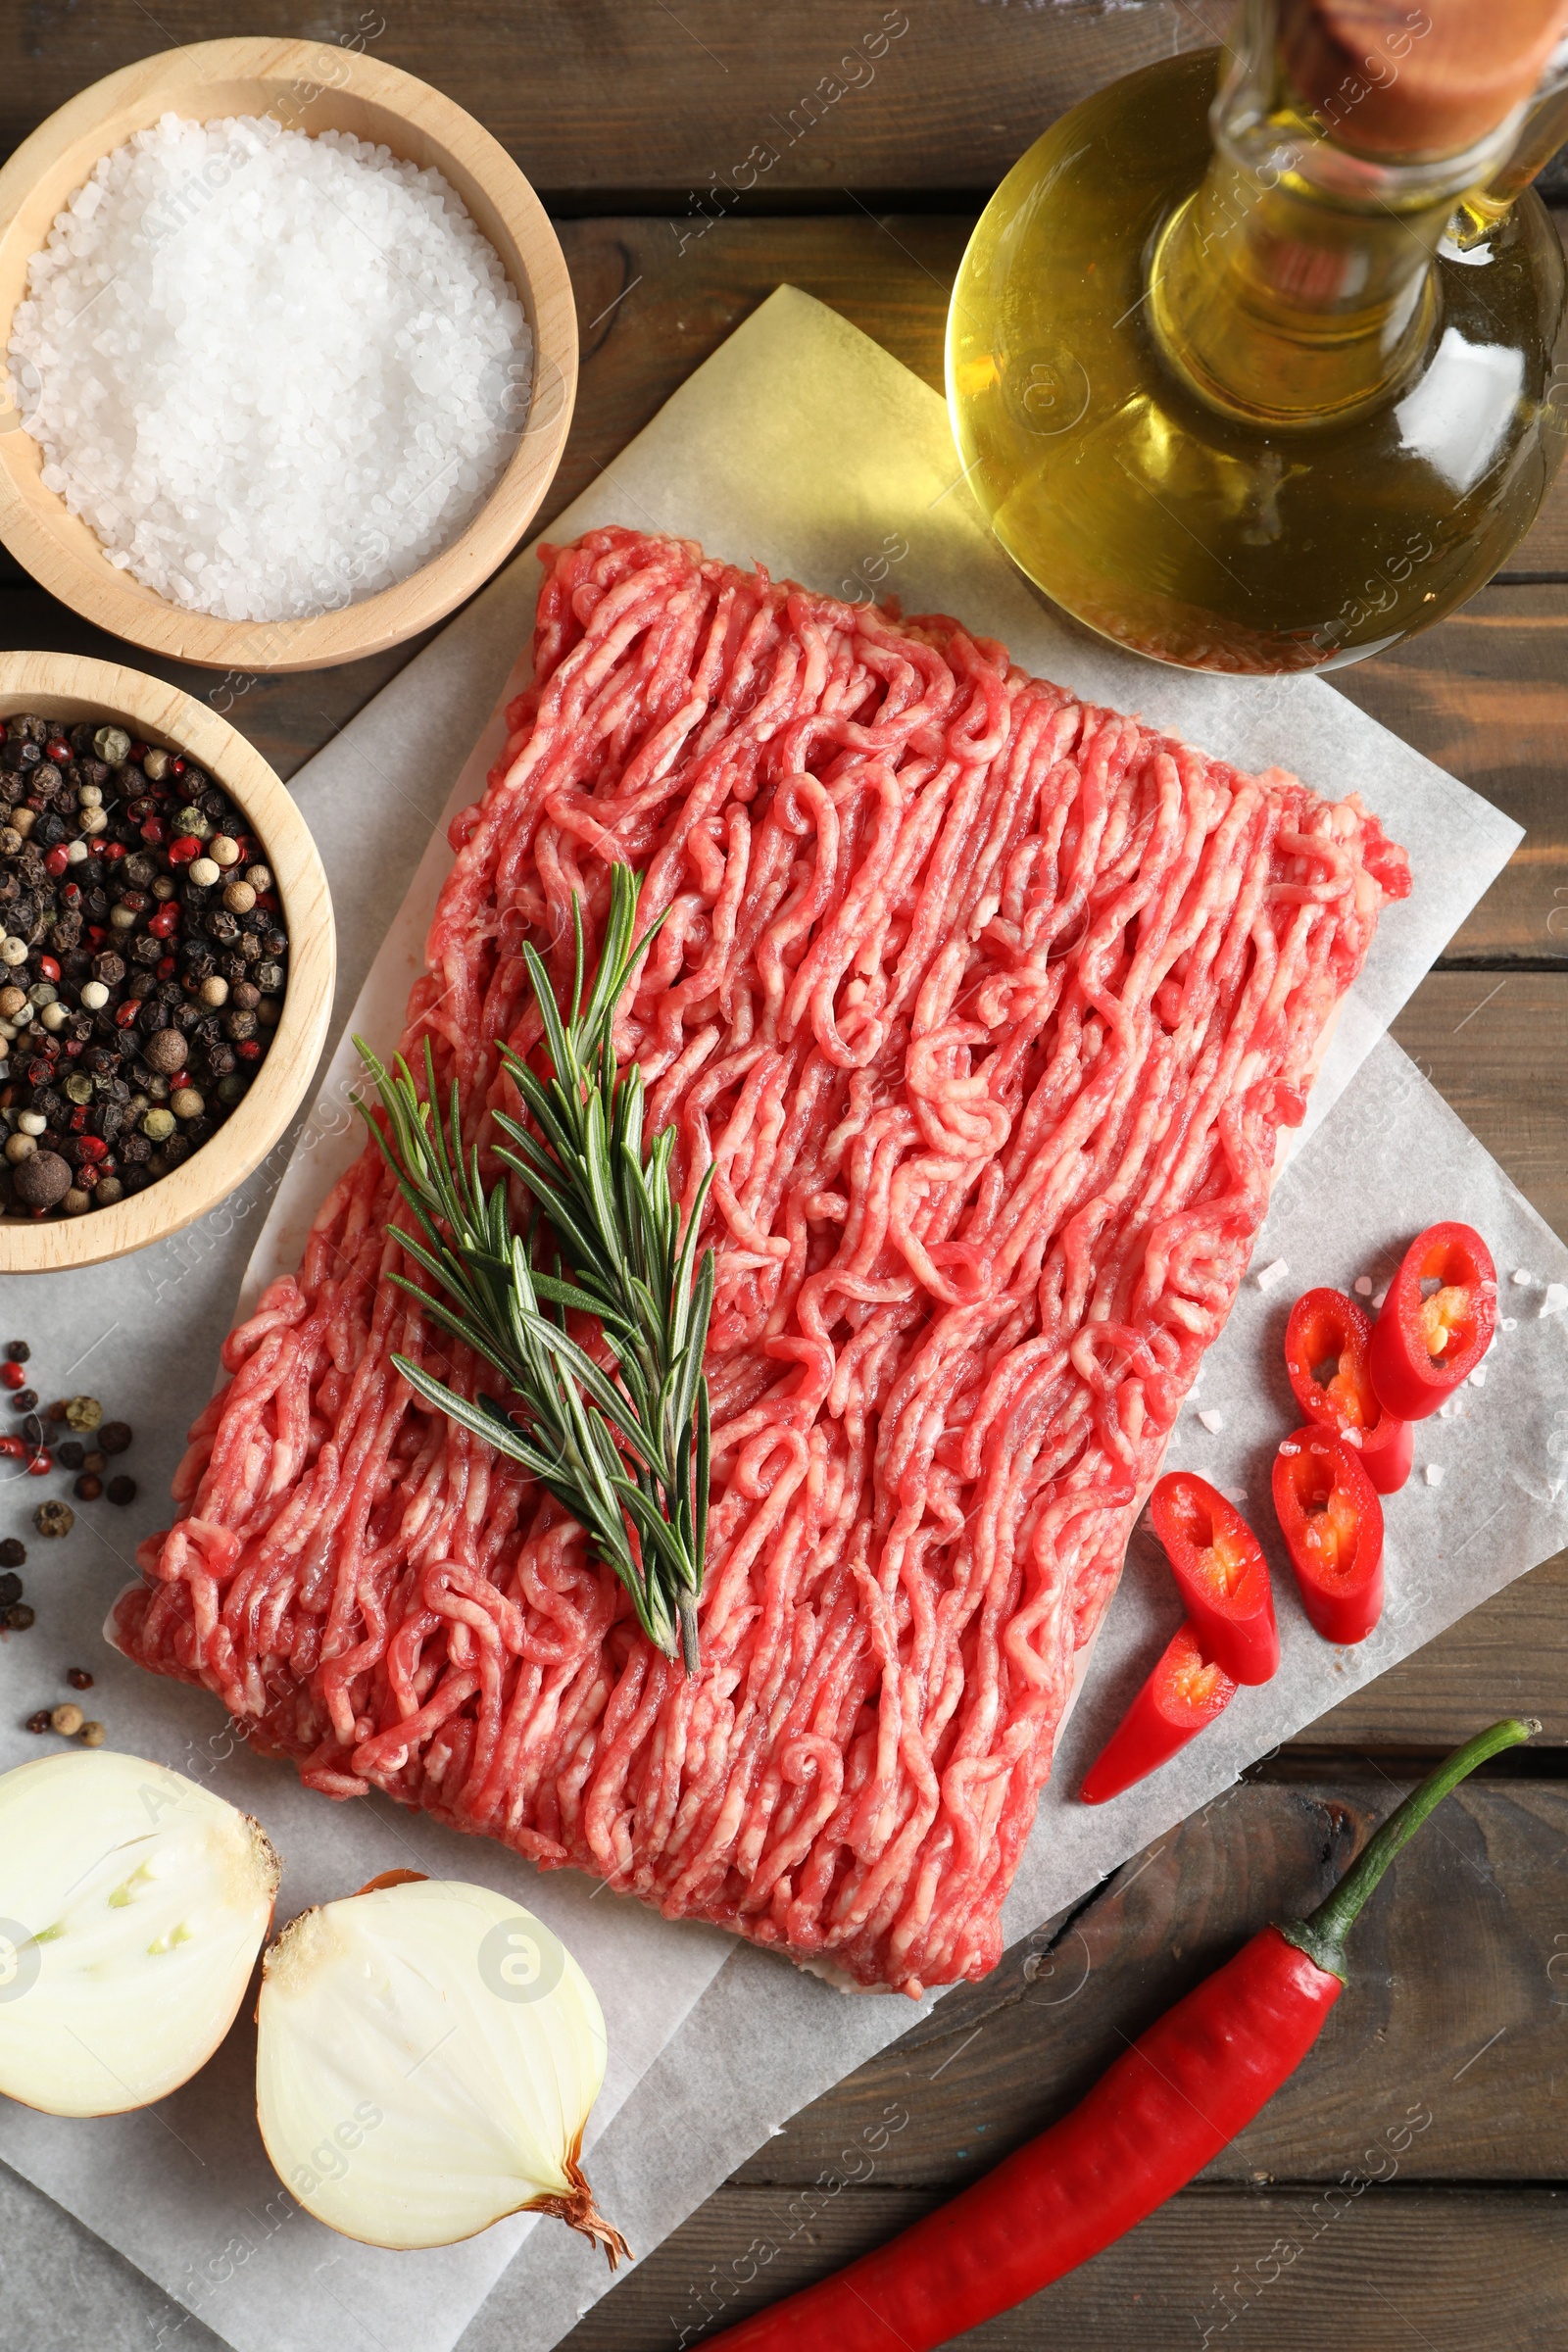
{"x":427,"y":2056}
{"x":133,"y":1906}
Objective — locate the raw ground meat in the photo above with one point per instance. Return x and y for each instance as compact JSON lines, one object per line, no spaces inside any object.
{"x":988,"y":1006}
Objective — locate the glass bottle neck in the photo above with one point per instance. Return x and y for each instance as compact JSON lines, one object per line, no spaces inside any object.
{"x":1296,"y":285}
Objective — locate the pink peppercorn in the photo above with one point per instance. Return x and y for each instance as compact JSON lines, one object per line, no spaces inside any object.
{"x":15,"y":1376}
{"x":40,"y":1465}
{"x":182,"y":851}
{"x":58,"y":860}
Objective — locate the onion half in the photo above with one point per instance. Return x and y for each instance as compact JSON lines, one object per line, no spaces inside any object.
{"x":426,"y":2059}
{"x":133,"y":1906}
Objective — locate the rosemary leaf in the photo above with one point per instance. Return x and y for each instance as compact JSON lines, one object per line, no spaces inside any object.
{"x":625,"y":1449}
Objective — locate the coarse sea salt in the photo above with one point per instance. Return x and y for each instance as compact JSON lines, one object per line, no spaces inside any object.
{"x":274,"y":373}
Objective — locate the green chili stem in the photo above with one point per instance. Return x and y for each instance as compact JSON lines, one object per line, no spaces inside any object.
{"x":1322,"y":1936}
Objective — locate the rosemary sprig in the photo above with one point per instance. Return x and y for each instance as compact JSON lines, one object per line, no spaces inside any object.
{"x":623,"y":1455}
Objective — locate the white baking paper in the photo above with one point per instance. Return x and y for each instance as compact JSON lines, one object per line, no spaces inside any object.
{"x":802,"y":446}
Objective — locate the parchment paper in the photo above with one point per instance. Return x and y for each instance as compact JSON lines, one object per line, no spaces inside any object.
{"x":802,"y":446}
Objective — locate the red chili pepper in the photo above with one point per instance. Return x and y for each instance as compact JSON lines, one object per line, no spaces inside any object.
{"x":1328,"y":1329}
{"x":1184,"y":1693}
{"x":1332,"y":1522}
{"x":1219,"y":1567}
{"x":1428,"y":1340}
{"x":1162,"y":2111}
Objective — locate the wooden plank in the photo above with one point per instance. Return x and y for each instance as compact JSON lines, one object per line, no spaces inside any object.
{"x":1496,"y":1046}
{"x":1508,"y":1657}
{"x":602,"y":99}
{"x":1485,"y":695}
{"x":1292,"y":2271}
{"x":1454,"y":1951}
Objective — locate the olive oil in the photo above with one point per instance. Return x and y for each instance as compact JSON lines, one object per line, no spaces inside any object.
{"x":1250,"y":417}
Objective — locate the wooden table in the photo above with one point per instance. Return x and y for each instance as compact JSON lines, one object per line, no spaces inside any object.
{"x":631,"y":117}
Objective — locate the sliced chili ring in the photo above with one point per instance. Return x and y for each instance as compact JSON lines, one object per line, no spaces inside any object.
{"x":1332,"y":1522}
{"x":1223,"y":1576}
{"x":1326,"y":1327}
{"x":1185,"y":1691}
{"x":1437,"y":1321}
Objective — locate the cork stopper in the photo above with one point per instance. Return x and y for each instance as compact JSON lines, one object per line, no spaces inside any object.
{"x":1389,"y":80}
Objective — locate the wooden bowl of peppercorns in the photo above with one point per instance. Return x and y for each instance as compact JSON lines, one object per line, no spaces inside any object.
{"x":167,"y":961}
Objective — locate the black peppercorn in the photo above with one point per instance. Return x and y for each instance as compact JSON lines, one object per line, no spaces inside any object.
{"x":17,"y":1352}
{"x":121,"y":1490}
{"x":26,"y":1401}
{"x":17,"y":1617}
{"x":71,"y":1454}
{"x":13,"y":1553}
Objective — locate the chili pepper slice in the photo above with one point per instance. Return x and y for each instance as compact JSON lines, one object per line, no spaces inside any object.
{"x":1327,"y":1329}
{"x":1437,"y":1321}
{"x":1222,"y":1575}
{"x":1163,"y":2110}
{"x":1185,"y":1691}
{"x":1332,"y":1522}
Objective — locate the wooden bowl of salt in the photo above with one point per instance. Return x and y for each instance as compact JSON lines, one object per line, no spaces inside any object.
{"x":310,"y":87}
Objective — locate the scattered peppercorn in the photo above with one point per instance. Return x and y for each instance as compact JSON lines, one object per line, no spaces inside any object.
{"x":79,"y":1678}
{"x":121,"y":1490}
{"x":69,"y":1456}
{"x":54,"y":1518}
{"x":114,"y":1436}
{"x":92,"y":1734}
{"x":84,"y":1412}
{"x":26,"y":1401}
{"x":13,"y":1375}
{"x":68,"y":1718}
{"x":13,"y":1553}
{"x":39,"y":1722}
{"x":88,"y":1488}
{"x":10,"y":1590}
{"x":17,"y":1352}
{"x":17,"y":1617}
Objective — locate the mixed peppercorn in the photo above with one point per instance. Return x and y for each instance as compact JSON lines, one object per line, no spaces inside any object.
{"x":87,"y":1450}
{"x":143,"y":960}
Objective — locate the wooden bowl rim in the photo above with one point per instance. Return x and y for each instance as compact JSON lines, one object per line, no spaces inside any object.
{"x":83,"y":577}
{"x":44,"y":683}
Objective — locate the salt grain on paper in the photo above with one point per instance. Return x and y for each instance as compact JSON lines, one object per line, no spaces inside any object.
{"x":1554,"y":1301}
{"x":1270,"y":1277}
{"x":275,"y":373}
{"x":1433,"y":1474}
{"x":1521,"y":1278}
{"x":1378,"y":1301}
{"x":1213,"y":1421}
{"x":1508,"y":1323}
{"x":1363,"y":1286}
{"x":1477,"y":1378}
